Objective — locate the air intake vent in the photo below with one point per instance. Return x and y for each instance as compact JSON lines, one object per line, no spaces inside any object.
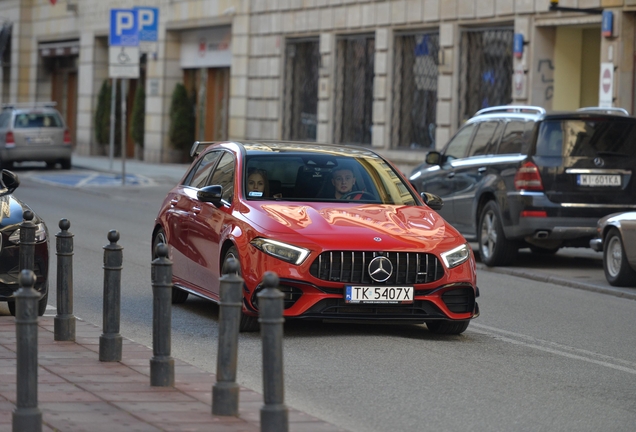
{"x":352,"y":267}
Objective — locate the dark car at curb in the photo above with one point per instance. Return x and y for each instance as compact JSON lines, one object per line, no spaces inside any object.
{"x":379,"y":253}
{"x":517,"y":176}
{"x":11,"y":216}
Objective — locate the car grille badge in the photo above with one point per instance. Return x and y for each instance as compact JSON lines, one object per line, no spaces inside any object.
{"x":380,"y":269}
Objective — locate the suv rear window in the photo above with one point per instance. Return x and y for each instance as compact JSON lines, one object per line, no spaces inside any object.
{"x":37,"y":120}
{"x":587,"y":138}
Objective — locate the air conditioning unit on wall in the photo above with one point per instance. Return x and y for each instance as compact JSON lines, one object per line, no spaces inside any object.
{"x":71,"y":6}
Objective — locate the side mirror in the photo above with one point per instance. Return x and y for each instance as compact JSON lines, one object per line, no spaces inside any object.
{"x":433,"y":201}
{"x":211,"y":194}
{"x":433,"y":158}
{"x":10,"y":180}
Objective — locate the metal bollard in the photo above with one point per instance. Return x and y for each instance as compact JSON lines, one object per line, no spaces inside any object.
{"x":110,"y":341}
{"x":27,"y":241}
{"x":64,"y":321}
{"x":225,"y":392}
{"x":161,"y":364}
{"x":27,"y":417}
{"x":274,"y":413}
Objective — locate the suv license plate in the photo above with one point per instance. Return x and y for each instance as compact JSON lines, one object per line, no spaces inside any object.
{"x":378,"y":294}
{"x":599,"y":180}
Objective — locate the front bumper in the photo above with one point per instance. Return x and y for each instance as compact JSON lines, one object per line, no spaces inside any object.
{"x":454,"y":301}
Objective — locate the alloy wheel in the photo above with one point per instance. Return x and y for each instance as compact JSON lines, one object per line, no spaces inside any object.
{"x":488,"y":239}
{"x":614,"y":256}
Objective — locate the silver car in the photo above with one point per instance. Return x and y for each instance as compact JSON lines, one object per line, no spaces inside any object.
{"x":617,"y":240}
{"x":34,"y":132}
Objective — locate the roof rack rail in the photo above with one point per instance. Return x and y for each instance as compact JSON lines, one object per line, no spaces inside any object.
{"x":199,"y":146}
{"x":12,"y":105}
{"x":511,"y":108}
{"x":605,"y":110}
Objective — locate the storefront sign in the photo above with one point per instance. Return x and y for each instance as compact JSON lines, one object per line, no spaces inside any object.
{"x":211,"y":47}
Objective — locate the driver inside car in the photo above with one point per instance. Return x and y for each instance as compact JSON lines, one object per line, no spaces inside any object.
{"x":343,"y":180}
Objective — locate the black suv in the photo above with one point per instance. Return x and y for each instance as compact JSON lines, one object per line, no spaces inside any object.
{"x":516,"y":176}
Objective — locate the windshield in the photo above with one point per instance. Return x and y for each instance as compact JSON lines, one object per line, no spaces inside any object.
{"x":587,"y":138}
{"x":37,"y":120}
{"x":323,"y":178}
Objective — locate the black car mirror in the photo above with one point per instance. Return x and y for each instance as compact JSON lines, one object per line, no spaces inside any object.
{"x":433,"y":201}
{"x":433,"y":158}
{"x":10,"y":181}
{"x":211,"y":194}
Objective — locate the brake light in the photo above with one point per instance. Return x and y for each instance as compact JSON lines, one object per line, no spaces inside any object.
{"x":528,"y":178}
{"x":534,"y":213}
{"x":67,"y":137}
{"x":9,"y":141}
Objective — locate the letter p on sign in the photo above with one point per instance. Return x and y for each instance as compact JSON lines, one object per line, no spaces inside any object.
{"x":123,"y":28}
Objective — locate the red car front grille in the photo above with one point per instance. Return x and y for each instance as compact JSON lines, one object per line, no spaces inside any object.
{"x":352,"y":267}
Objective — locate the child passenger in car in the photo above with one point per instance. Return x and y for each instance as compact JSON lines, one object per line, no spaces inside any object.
{"x":258,"y":185}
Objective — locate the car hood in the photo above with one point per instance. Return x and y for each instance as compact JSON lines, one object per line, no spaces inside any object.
{"x":354,"y":224}
{"x":11,"y":210}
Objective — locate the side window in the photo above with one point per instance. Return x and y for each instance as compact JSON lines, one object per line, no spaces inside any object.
{"x":201,"y":172}
{"x":516,"y":137}
{"x":486,"y":137}
{"x":224,"y":175}
{"x":4,"y":119}
{"x":458,"y":145}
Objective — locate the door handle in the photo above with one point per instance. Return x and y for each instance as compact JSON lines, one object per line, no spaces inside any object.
{"x":196,"y":210}
{"x":481,"y":170}
{"x":174,"y":201}
{"x":451,"y":175}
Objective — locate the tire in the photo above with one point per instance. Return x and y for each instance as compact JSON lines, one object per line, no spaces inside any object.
{"x":447,"y":327}
{"x":494,"y":248}
{"x":41,"y":305}
{"x":178,"y":295}
{"x":66,"y":164}
{"x":248,"y":324}
{"x":617,"y":269}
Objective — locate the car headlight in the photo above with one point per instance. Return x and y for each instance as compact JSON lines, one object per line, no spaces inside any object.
{"x":40,"y":234}
{"x":286,"y":252}
{"x":455,"y":257}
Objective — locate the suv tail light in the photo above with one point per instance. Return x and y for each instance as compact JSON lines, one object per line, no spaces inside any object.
{"x":528,"y":178}
{"x":67,"y":137}
{"x":9,"y":141}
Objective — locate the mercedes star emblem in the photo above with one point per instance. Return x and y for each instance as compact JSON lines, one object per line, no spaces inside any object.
{"x":599,"y":162}
{"x":380,"y":269}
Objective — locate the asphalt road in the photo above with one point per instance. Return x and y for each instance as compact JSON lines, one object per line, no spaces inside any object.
{"x":541,"y":357}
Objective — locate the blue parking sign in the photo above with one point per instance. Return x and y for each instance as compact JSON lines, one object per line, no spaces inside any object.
{"x":123,"y":28}
{"x":148,"y":18}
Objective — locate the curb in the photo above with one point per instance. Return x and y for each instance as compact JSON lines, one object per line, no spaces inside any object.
{"x":542,"y":277}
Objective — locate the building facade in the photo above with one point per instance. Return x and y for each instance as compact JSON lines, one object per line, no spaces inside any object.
{"x":399,"y":76}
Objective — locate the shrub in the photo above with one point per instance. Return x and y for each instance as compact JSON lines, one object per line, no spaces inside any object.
{"x":182,"y":119}
{"x":102,"y":116}
{"x":138,"y":117}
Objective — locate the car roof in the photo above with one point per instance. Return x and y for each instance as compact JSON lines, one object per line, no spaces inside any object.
{"x":265,"y":146}
{"x":28,"y":107}
{"x":535,"y":113}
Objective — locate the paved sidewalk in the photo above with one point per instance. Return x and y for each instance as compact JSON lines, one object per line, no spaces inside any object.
{"x":77,"y":392}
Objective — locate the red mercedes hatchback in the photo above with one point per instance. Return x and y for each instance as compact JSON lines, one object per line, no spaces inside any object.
{"x":343,"y":229}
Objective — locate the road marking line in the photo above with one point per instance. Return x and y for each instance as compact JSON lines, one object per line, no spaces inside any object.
{"x":558,"y":349}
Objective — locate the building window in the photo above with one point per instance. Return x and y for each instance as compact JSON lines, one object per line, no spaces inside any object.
{"x":354,"y":89}
{"x":485,"y":69}
{"x":302,"y":64}
{"x":415,"y":90}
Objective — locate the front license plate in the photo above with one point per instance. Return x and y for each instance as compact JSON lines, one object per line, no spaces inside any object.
{"x":378,"y":294}
{"x":599,"y":180}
